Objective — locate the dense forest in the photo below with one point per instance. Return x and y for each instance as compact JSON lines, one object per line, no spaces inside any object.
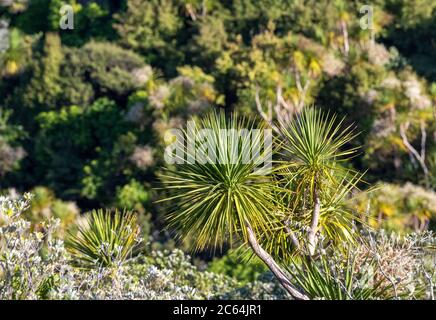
{"x":347,"y":87}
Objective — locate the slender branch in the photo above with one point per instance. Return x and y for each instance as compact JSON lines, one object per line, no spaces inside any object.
{"x":203,"y":8}
{"x":272,"y":265}
{"x":423,"y":139}
{"x":420,"y":157}
{"x":303,"y":93}
{"x":392,"y":282}
{"x":302,"y":90}
{"x":284,"y":110}
{"x":267,"y":118}
{"x":429,"y":279}
{"x":191,"y":12}
{"x":345,"y":36}
{"x":297,"y":79}
{"x":292,"y":235}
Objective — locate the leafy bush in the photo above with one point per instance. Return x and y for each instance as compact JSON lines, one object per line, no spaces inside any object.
{"x":44,"y":207}
{"x":72,"y":141}
{"x":24,"y":269}
{"x":399,"y":208}
{"x":234,"y":265}
{"x":151,"y":28}
{"x":132,"y":196}
{"x":100,"y":69}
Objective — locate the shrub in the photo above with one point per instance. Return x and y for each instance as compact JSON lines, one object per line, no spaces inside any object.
{"x":233,"y":265}
{"x":100,"y":69}
{"x":26,"y":270}
{"x":44,"y":207}
{"x":401,"y":208}
{"x":132,"y":196}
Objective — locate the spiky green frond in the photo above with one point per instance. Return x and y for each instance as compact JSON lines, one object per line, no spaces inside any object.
{"x":333,"y":279}
{"x":104,"y":239}
{"x":313,"y":147}
{"x":315,"y":139}
{"x":211,"y":200}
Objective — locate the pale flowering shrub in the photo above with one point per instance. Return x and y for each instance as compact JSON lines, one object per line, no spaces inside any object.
{"x":29,"y":261}
{"x":378,"y":266}
{"x":35,"y":265}
{"x":404,"y":263}
{"x":143,"y":157}
{"x":147,"y":278}
{"x":171,"y":275}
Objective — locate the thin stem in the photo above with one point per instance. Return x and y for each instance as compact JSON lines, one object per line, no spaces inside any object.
{"x":312,"y":239}
{"x":272,"y":265}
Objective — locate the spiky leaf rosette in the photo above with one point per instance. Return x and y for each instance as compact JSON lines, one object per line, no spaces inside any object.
{"x":104,"y":239}
{"x":339,"y":277}
{"x":314,"y":149}
{"x":212,"y":199}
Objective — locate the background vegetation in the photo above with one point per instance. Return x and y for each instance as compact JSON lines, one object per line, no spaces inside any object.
{"x":83,"y":112}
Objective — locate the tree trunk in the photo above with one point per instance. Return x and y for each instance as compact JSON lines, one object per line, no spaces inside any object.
{"x":312,"y":238}
{"x":273,"y":266}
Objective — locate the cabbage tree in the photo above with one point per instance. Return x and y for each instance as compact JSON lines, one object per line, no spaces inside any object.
{"x":216,"y":202}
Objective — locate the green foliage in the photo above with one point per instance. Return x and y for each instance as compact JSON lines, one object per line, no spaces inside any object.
{"x":214,"y":199}
{"x":105,"y":239}
{"x":100,"y":69}
{"x":27,"y":273}
{"x":8,"y":131}
{"x":132,"y":196}
{"x":34,"y":18}
{"x":44,"y":207}
{"x":44,"y":87}
{"x":91,"y":21}
{"x":314,"y":147}
{"x":192,"y":91}
{"x":399,"y":208}
{"x":85,"y":112}
{"x":60,"y":76}
{"x":341,"y":95}
{"x":110,"y":67}
{"x":71,"y":139}
{"x":13,"y":58}
{"x":232,"y":264}
{"x":35,"y":265}
{"x":150,"y":27}
{"x":10,"y":135}
{"x":314,"y":142}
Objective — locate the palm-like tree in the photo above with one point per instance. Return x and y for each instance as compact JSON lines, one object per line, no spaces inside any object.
{"x":214,"y":202}
{"x":314,"y":146}
{"x":220,"y":200}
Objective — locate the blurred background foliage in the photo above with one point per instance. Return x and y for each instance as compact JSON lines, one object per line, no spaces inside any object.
{"x":83,"y":112}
